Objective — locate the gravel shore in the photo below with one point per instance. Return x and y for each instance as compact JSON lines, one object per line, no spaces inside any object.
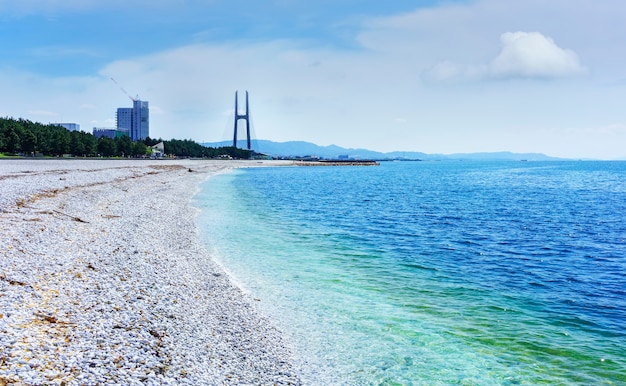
{"x":103,"y":281}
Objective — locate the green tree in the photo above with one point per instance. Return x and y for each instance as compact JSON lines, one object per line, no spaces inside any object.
{"x":60,"y":141}
{"x":90,"y":143}
{"x":12,"y":140}
{"x":4,"y":130}
{"x":44,"y":140}
{"x":77,"y":147}
{"x":124,"y":146}
{"x":29,"y":141}
{"x":107,"y":147}
{"x":24,"y":135}
{"x":139,"y":149}
{"x":151,"y":141}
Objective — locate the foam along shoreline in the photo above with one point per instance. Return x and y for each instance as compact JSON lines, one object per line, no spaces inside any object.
{"x":102,"y":279}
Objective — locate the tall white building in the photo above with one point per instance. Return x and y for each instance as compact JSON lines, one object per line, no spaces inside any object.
{"x":134,"y":121}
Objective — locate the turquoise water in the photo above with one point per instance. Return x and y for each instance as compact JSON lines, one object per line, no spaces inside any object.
{"x":433,"y":272}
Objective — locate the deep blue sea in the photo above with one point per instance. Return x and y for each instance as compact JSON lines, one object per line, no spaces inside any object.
{"x":433,"y":273}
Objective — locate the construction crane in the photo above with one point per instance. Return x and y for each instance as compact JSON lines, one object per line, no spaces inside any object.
{"x":124,"y":91}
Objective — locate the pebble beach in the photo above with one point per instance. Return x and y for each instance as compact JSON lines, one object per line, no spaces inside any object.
{"x":103,"y":281}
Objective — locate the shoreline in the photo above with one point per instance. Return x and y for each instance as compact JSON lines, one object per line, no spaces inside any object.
{"x":103,"y":279}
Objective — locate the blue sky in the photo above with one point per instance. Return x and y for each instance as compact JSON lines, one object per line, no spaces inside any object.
{"x":433,"y":76}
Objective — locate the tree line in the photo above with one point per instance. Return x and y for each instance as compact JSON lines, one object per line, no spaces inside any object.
{"x":21,"y":136}
{"x":190,"y":148}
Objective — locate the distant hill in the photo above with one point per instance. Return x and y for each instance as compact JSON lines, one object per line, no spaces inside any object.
{"x":303,"y":149}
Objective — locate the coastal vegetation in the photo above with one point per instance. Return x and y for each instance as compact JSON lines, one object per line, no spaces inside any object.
{"x":27,"y":138}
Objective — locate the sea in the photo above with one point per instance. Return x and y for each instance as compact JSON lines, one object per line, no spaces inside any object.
{"x":433,"y":272}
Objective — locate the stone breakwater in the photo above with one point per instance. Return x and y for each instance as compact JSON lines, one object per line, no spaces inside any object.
{"x":103,"y":281}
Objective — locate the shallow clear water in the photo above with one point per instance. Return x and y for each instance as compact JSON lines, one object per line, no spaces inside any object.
{"x":433,"y":272}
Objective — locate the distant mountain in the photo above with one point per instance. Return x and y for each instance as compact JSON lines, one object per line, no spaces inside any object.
{"x":303,"y":149}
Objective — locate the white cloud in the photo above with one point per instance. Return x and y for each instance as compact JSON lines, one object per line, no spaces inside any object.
{"x":523,"y":55}
{"x":533,"y":55}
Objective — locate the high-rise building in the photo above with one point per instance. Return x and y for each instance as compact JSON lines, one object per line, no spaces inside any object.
{"x":68,"y":126}
{"x":124,"y":120}
{"x":134,"y":121}
{"x":141,"y":120}
{"x":104,"y":132}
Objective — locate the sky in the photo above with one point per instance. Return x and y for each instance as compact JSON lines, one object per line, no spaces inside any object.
{"x":439,"y":77}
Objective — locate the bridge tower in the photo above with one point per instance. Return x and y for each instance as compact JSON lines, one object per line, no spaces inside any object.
{"x":245,"y":116}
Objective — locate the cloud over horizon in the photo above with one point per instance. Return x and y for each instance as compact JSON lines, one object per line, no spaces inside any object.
{"x":529,"y":55}
{"x":532,"y":55}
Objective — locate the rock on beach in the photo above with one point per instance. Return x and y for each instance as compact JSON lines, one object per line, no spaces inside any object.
{"x":103,"y":281}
